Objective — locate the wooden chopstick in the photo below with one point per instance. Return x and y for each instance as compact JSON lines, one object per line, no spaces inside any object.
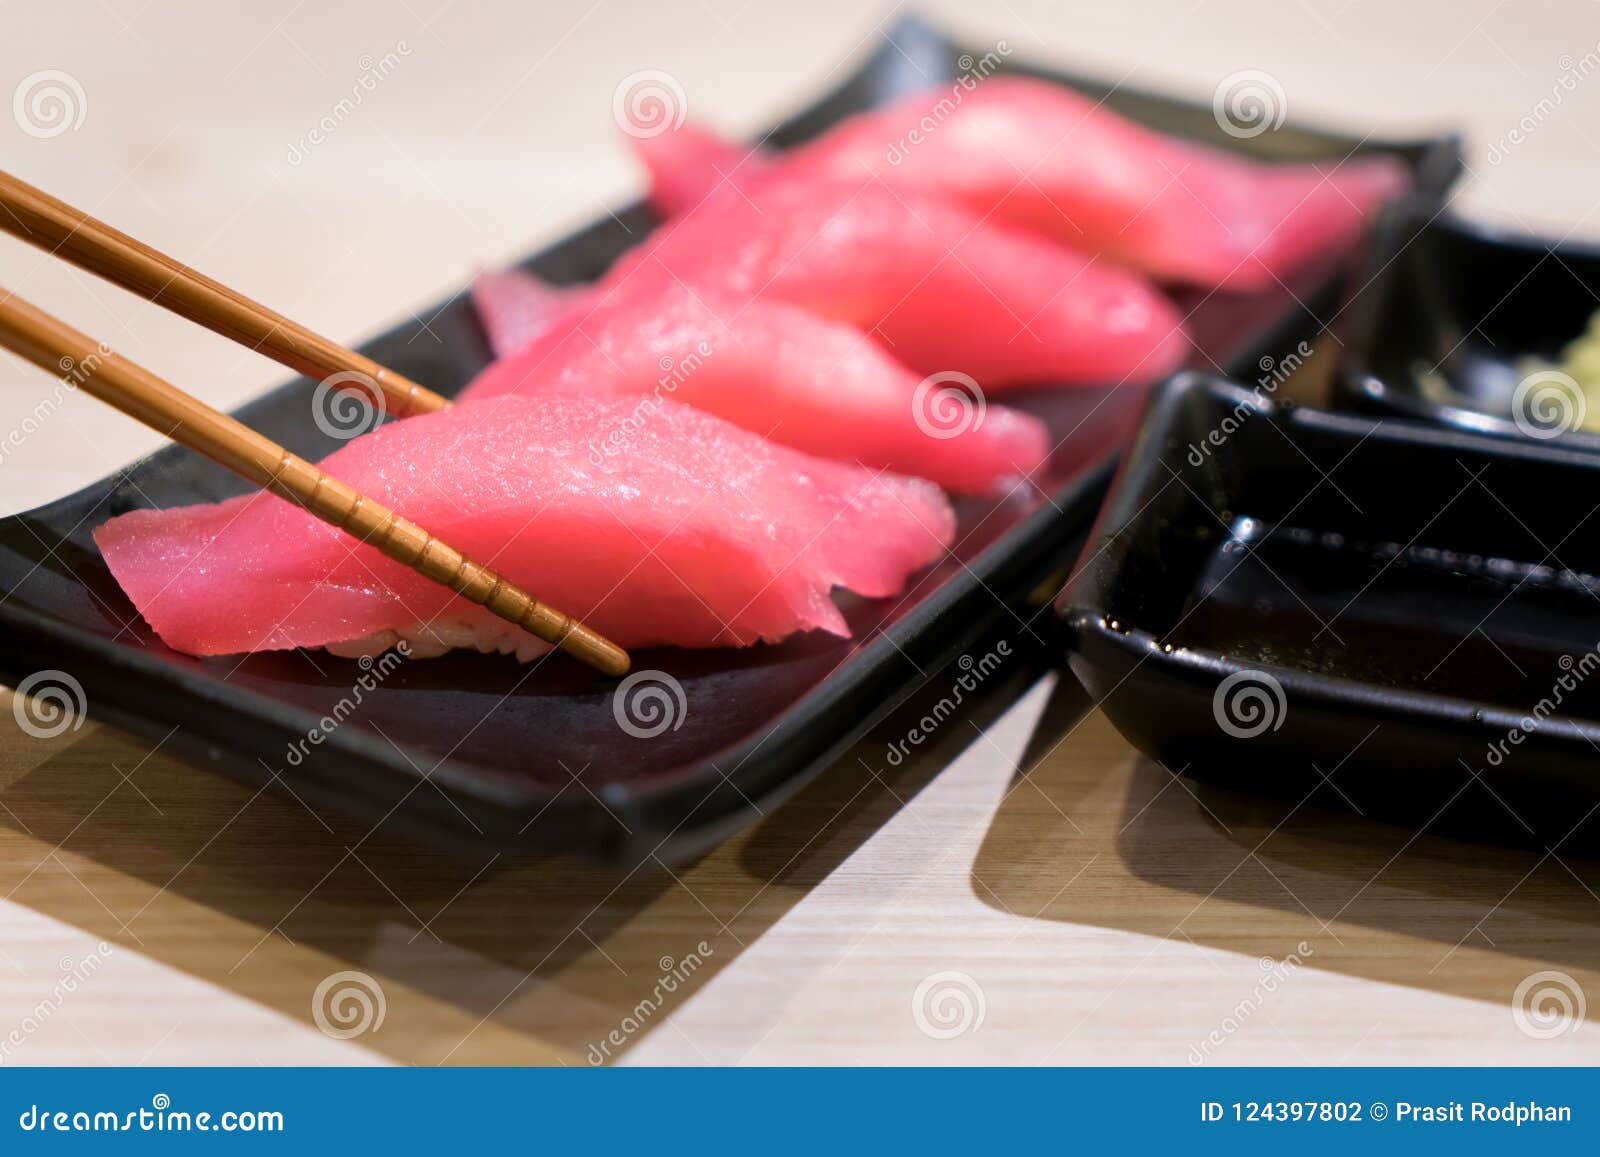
{"x":34,"y":216}
{"x":46,"y":342}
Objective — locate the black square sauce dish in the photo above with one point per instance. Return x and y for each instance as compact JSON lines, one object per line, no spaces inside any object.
{"x":1390,"y":616}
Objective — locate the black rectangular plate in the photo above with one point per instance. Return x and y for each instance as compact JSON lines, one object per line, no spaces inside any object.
{"x":533,"y":758}
{"x":1363,"y":609}
{"x":1447,"y":309}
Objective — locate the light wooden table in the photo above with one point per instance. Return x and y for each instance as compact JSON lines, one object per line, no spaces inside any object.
{"x":1027,"y":864}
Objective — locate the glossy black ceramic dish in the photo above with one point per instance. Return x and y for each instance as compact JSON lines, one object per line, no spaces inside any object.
{"x":1453,"y":317}
{"x":1261,"y":603}
{"x":485,"y":753}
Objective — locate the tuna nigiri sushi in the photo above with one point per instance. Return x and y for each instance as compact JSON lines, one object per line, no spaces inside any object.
{"x":699,"y":534}
{"x":516,"y":307}
{"x":1051,"y":160}
{"x":817,"y":385}
{"x":939,"y":285}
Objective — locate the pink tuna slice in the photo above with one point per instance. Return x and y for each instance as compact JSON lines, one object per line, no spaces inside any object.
{"x":817,"y":385}
{"x":942,"y":288}
{"x":516,"y":307}
{"x":1049,"y":159}
{"x":690,"y":162}
{"x":694,"y":533}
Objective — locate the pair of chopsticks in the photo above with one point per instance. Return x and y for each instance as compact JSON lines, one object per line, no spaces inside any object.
{"x":41,"y":220}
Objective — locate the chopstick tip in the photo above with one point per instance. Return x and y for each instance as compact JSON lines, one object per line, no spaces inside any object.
{"x":597,"y":651}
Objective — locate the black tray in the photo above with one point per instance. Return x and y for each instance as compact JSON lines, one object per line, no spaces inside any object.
{"x":1446,"y":311}
{"x":534,"y":757}
{"x":1359,"y":609}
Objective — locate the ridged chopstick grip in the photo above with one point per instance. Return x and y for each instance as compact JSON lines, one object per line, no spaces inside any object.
{"x":58,"y":348}
{"x":300,"y":482}
{"x":34,"y":216}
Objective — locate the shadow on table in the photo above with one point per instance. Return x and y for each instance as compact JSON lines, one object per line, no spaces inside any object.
{"x":500,"y":961}
{"x":1168,"y":856}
